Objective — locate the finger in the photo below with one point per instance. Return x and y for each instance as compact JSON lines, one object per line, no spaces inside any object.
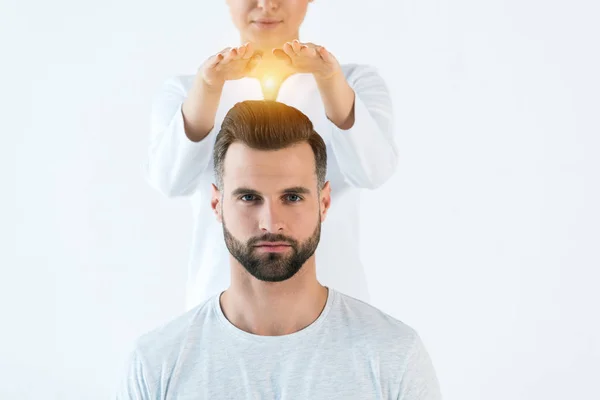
{"x":325,"y":55}
{"x":306,"y":51}
{"x":248,"y":51}
{"x":287,"y":48}
{"x":229,"y":56}
{"x":214,"y":60}
{"x":241,"y":51}
{"x":253,"y":62}
{"x":296,"y":46}
{"x":223,"y":53}
{"x":282,"y":55}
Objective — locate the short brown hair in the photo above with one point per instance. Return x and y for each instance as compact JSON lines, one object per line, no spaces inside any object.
{"x":267,"y":125}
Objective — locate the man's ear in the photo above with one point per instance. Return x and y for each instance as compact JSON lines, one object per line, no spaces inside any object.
{"x":215,"y":203}
{"x":325,"y":200}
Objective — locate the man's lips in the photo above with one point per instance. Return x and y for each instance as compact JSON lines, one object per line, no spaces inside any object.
{"x":273,"y":247}
{"x":271,"y":244}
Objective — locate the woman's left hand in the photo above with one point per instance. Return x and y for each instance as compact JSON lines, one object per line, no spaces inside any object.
{"x":309,"y":58}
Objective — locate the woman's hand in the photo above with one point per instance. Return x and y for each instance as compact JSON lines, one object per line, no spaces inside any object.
{"x":229,"y":64}
{"x":309,"y":58}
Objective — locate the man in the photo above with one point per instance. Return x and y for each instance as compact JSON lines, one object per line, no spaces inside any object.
{"x":276,"y":332}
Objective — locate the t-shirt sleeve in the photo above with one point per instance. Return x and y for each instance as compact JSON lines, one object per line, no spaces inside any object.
{"x":419,"y":379}
{"x":133,"y":385}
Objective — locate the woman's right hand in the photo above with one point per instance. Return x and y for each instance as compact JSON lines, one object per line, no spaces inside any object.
{"x":230,"y":64}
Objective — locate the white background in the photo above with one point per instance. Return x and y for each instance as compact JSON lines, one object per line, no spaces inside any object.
{"x":486,"y":240}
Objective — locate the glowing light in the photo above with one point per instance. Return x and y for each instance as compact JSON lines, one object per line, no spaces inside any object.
{"x":269,"y":82}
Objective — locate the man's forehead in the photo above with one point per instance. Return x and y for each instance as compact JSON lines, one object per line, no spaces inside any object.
{"x":269,"y":180}
{"x":269,"y":172}
{"x":293,"y":163}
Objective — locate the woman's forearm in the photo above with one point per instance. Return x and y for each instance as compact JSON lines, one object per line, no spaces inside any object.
{"x":338,"y":99}
{"x":200,"y":108}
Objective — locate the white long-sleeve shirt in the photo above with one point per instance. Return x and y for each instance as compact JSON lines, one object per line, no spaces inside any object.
{"x":364,"y":156}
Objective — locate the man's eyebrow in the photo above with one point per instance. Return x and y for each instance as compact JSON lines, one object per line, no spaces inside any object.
{"x":243,"y":190}
{"x":295,"y":189}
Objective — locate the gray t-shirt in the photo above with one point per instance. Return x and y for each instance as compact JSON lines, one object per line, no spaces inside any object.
{"x":352,"y":351}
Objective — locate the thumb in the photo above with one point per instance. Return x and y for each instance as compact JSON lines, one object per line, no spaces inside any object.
{"x":253,"y":62}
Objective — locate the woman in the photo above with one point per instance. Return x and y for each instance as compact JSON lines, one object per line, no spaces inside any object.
{"x":349,"y":106}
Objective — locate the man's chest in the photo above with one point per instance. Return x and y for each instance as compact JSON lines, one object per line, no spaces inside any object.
{"x":318,"y":369}
{"x":281,"y":378}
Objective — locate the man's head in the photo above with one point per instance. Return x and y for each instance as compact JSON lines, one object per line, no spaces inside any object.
{"x":268,"y":23}
{"x":270,"y":193}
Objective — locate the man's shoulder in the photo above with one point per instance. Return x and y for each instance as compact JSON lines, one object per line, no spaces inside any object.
{"x":377,"y":336}
{"x":368,"y":313}
{"x":375,"y":327}
{"x":165,"y":341}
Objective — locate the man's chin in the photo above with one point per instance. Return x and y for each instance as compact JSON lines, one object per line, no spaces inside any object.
{"x":278,"y":271}
{"x":268,"y":256}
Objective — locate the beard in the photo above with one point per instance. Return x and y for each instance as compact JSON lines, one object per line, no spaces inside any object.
{"x":272,"y":267}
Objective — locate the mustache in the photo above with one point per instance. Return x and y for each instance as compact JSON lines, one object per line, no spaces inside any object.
{"x":271,"y":237}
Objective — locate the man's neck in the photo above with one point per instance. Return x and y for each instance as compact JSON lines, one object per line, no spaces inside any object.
{"x":273,"y":308}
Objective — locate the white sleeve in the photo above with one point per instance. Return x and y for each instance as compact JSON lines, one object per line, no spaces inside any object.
{"x":367,"y":152}
{"x":174,"y":162}
{"x":419,"y":379}
{"x":133,"y":386}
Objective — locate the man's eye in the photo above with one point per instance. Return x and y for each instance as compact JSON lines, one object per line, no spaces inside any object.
{"x":294,"y":198}
{"x":248,"y":197}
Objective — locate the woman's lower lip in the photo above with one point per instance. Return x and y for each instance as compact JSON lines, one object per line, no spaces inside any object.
{"x":266,"y":25}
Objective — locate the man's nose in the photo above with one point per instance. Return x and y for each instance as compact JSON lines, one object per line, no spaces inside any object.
{"x":271,"y":218}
